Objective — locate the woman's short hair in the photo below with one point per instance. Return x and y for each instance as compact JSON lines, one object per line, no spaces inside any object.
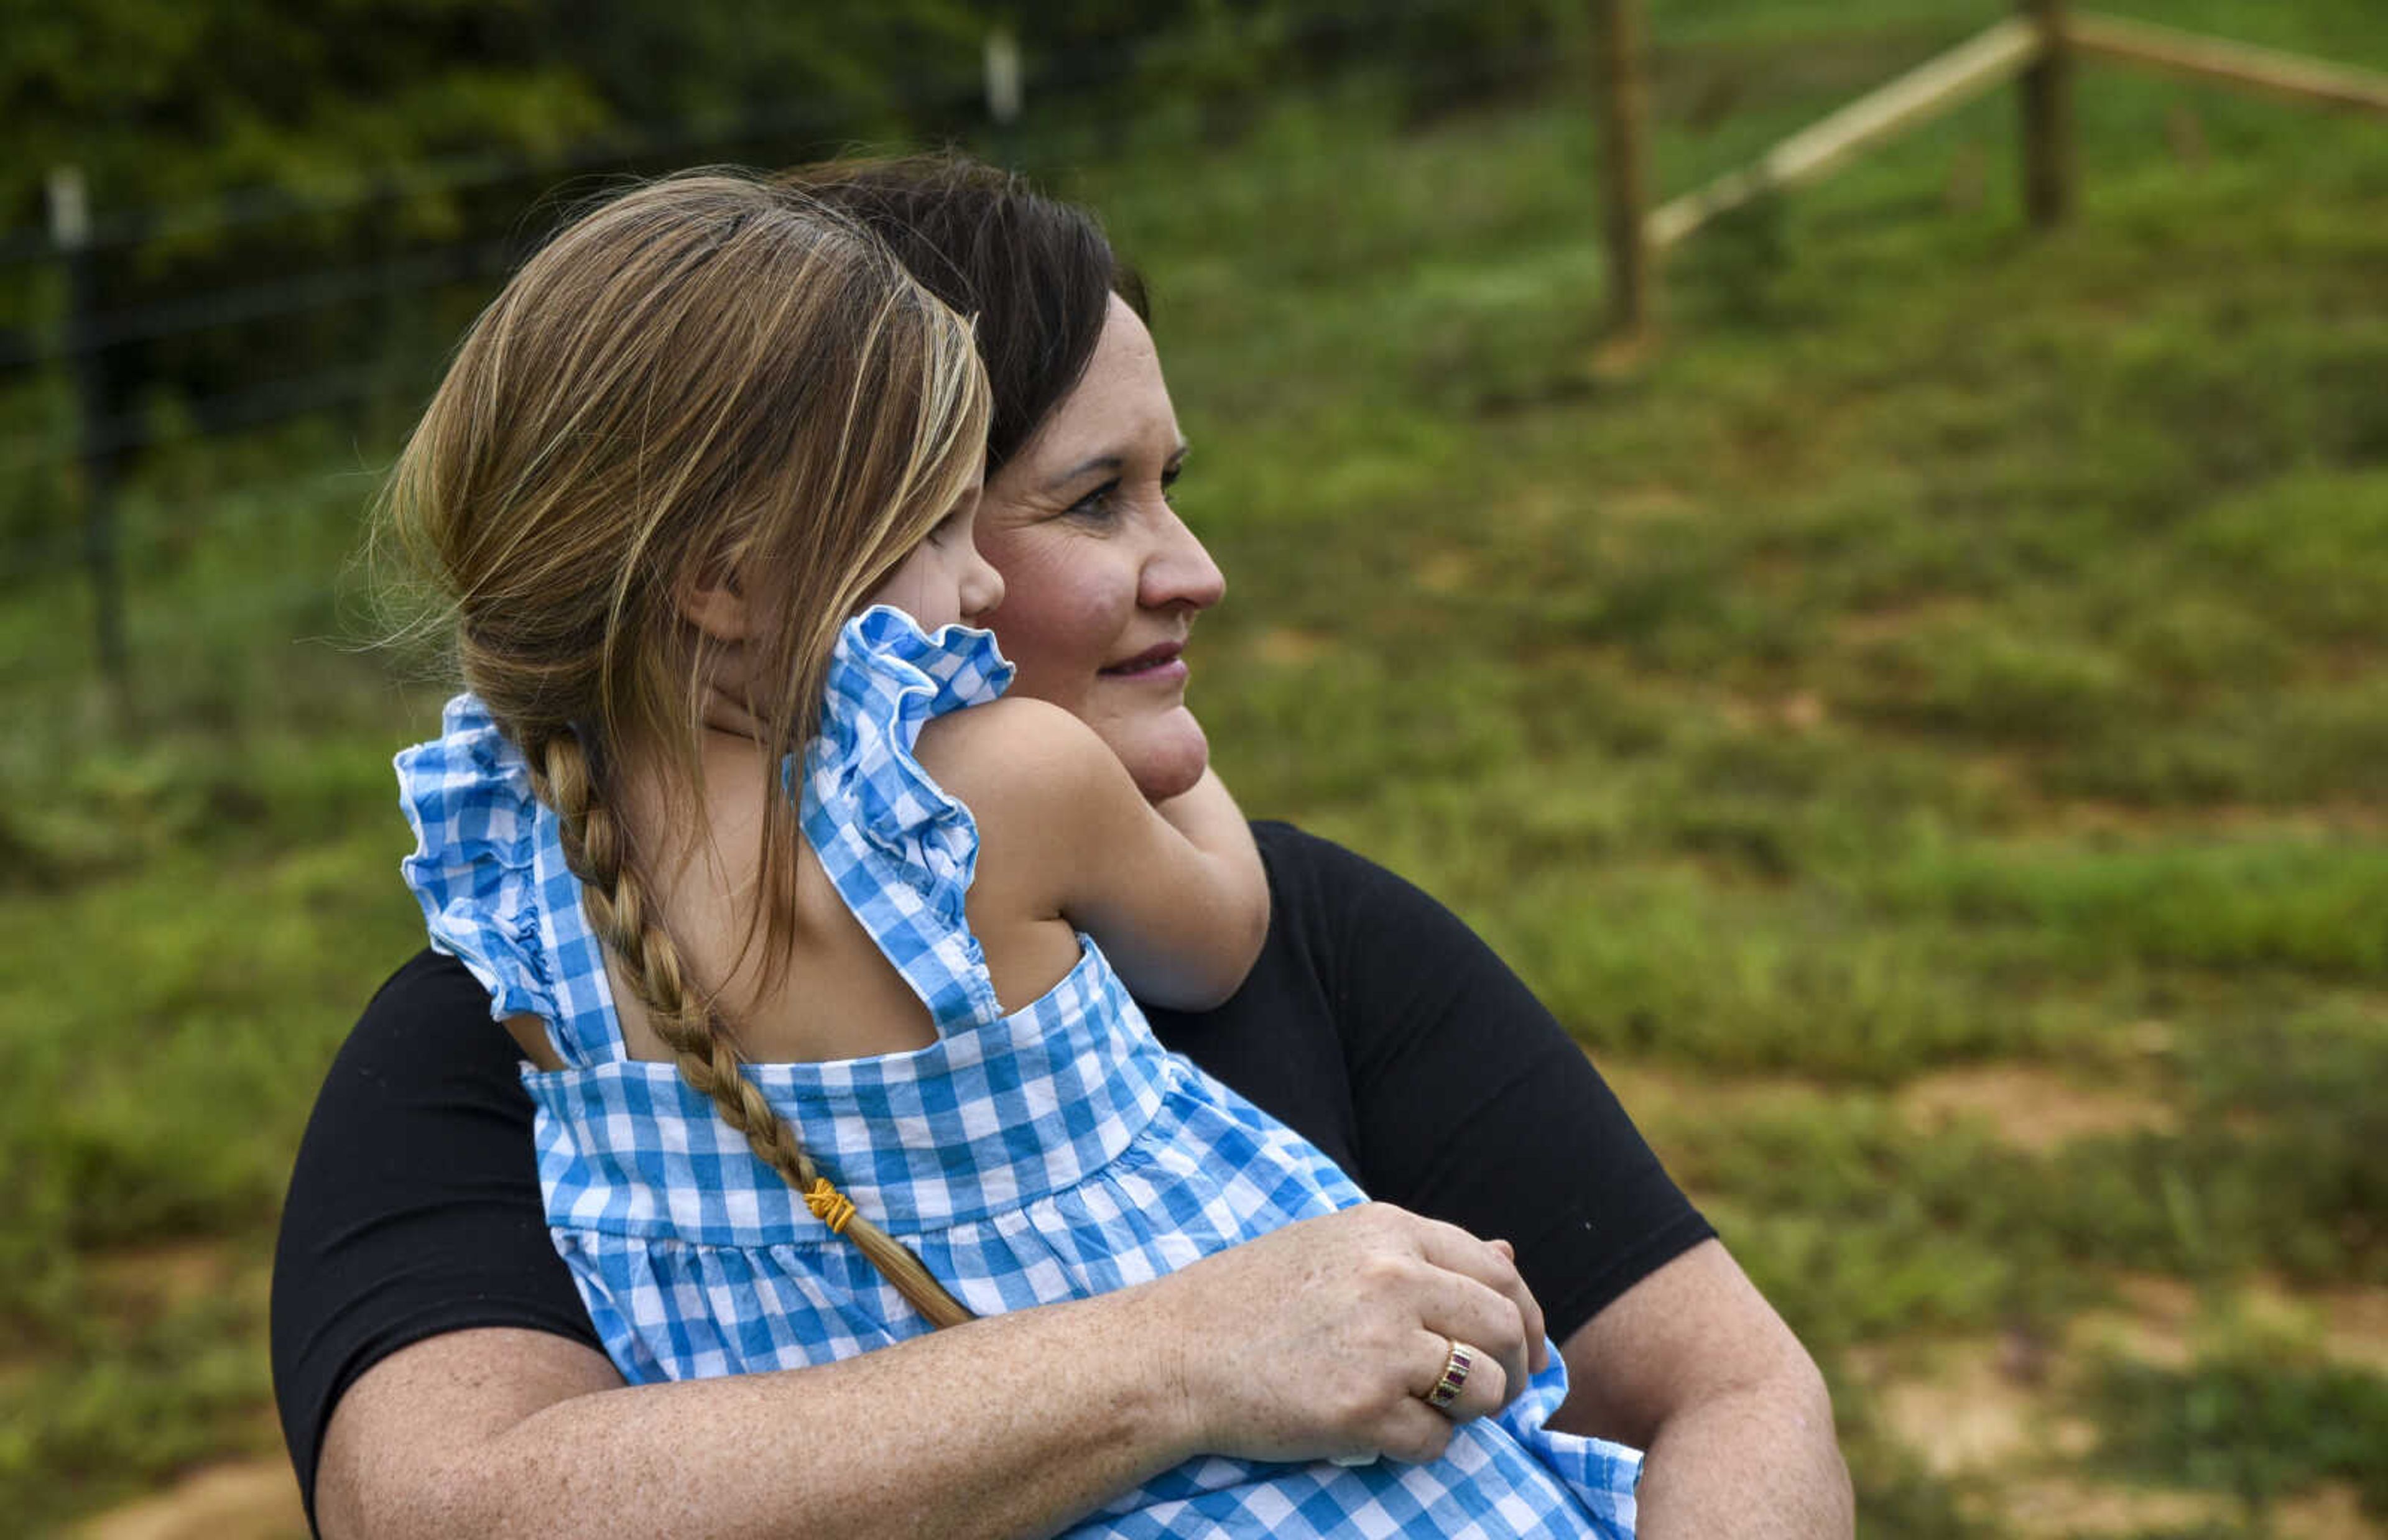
{"x":1035,"y":274}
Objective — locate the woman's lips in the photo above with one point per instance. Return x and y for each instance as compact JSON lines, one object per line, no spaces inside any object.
{"x":1154,"y":664}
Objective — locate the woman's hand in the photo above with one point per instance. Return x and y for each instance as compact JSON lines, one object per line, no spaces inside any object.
{"x":1320,"y":1341}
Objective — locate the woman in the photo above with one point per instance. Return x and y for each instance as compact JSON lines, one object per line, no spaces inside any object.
{"x":437,"y":1374}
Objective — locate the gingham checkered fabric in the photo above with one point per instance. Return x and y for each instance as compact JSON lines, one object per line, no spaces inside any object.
{"x":1050,"y":1154}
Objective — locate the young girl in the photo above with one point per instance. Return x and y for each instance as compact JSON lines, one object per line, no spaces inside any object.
{"x":820,"y":973}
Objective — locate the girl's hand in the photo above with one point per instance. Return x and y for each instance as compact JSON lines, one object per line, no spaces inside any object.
{"x":1320,"y":1341}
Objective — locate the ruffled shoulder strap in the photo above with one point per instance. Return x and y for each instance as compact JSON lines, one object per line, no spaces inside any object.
{"x":490,"y":873}
{"x":900,"y":850}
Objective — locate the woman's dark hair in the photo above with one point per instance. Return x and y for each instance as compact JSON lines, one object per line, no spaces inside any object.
{"x":1034,"y":274}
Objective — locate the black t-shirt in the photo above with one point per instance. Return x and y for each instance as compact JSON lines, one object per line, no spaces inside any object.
{"x":1375,"y":1023}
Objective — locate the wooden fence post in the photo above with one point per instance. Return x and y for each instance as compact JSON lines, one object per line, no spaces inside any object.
{"x":70,"y":214}
{"x":1001,"y":68}
{"x":2047,"y":140}
{"x":1623,"y":106}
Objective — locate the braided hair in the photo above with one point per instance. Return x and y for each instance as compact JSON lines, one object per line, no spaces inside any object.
{"x":705,"y":377}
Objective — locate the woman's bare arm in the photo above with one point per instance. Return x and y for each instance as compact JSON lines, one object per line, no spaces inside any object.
{"x":1312,"y":1342}
{"x":503,"y":1432}
{"x":1694,"y":1366}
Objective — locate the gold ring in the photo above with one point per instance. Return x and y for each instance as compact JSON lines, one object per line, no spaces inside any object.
{"x":1455,"y":1375}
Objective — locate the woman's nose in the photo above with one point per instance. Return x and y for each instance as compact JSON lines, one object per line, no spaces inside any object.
{"x":1179,"y":571}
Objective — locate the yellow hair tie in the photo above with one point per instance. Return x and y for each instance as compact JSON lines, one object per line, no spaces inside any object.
{"x":828,"y":1205}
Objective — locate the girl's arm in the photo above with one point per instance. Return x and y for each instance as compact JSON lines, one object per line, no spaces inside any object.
{"x":1216,"y":905}
{"x":1174,"y":892}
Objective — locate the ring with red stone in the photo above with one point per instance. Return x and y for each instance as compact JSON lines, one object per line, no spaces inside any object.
{"x":1455,"y":1366}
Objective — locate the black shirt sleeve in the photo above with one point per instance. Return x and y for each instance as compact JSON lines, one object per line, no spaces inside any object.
{"x":1470,"y":1102}
{"x":415,"y":1207}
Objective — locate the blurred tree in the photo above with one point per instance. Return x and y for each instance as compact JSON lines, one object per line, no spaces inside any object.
{"x":279,"y":187}
{"x":163,"y":102}
{"x":286,"y":191}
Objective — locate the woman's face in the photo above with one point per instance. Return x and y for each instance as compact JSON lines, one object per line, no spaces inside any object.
{"x":1101,"y":581}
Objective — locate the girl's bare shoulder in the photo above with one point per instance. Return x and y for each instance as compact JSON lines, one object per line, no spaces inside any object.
{"x":1014,"y":753}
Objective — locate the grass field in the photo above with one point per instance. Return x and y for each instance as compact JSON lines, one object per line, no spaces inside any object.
{"x":1922,"y":728}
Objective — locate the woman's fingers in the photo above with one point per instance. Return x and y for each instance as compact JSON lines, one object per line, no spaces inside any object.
{"x":1494,"y":1264}
{"x":1481,"y":1384}
{"x":1456,"y":1308}
{"x":1416,"y":1432}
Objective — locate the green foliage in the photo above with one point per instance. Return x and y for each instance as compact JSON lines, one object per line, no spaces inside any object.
{"x":2295,"y":903}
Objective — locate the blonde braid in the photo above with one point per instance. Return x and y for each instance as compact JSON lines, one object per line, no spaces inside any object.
{"x":614,"y":899}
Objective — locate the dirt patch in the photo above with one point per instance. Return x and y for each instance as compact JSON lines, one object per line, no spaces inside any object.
{"x":1445,"y":572}
{"x":2064,"y":1506}
{"x":2091,"y":816}
{"x":177,"y":1272}
{"x":1284,"y":647}
{"x":1649,"y":505}
{"x":1800,"y":712}
{"x":154,"y":1283}
{"x":1995,"y":1415}
{"x":1654,"y":1090}
{"x":1889,"y":622}
{"x":1663,"y":1102}
{"x":2163,"y":1322}
{"x":2156,"y":1324}
{"x":2349,"y":1325}
{"x":253,"y":1500}
{"x":1964,"y":1412}
{"x":2333,"y":1511}
{"x":2027,"y":1107}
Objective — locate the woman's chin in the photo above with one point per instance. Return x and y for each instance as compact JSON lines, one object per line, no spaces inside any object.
{"x":1165,"y":753}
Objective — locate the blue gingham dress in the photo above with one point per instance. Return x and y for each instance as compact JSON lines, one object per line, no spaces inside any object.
{"x":1047,"y":1154}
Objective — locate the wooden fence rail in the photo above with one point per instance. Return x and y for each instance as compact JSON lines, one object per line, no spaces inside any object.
{"x":2213,"y":59}
{"x":2038,"y":46}
{"x":1956,"y":77}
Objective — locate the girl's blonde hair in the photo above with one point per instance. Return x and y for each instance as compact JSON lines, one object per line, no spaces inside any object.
{"x":708,"y":380}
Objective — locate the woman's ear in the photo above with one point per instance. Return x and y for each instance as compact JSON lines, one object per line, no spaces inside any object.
{"x":714,"y":605}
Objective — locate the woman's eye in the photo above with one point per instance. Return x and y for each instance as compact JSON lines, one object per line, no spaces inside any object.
{"x":1097,"y":504}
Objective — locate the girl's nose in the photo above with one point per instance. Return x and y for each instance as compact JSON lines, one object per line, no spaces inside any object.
{"x":982,"y":588}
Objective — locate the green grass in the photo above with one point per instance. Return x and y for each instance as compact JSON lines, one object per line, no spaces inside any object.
{"x":2249,"y":1423}
{"x":1952,"y":648}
